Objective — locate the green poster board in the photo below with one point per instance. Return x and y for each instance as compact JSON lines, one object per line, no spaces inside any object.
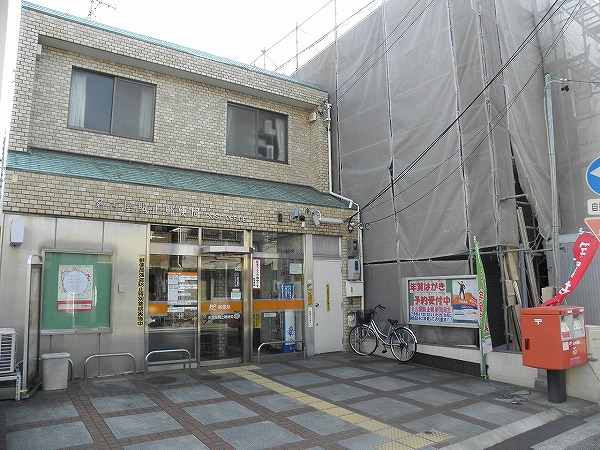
{"x":76,"y":292}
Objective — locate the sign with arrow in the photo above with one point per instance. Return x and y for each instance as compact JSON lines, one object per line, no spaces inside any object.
{"x":593,"y":176}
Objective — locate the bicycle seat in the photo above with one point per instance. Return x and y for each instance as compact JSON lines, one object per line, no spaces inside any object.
{"x":393,"y":321}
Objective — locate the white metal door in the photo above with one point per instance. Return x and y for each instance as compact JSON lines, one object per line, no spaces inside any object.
{"x":328,"y":306}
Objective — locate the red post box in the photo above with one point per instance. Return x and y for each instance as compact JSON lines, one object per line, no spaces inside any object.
{"x":553,"y":337}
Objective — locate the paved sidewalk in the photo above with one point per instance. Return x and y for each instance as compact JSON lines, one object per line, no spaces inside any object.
{"x":332,"y":401}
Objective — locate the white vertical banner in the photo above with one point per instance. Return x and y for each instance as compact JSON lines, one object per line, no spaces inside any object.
{"x":255,"y":273}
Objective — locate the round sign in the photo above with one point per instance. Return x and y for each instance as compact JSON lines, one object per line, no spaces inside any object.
{"x":593,"y":176}
{"x":75,"y":282}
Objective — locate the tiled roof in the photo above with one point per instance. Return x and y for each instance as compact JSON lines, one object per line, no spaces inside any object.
{"x":165,"y":44}
{"x":119,"y":171}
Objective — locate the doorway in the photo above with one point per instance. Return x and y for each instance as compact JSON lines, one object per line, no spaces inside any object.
{"x":328,"y":306}
{"x":221,"y":306}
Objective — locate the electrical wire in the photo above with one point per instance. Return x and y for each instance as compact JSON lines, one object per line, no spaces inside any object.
{"x":526,"y":41}
{"x":297,"y":26}
{"x":322,"y":37}
{"x":383,"y":43}
{"x":503,"y":113}
{"x":498,"y":117}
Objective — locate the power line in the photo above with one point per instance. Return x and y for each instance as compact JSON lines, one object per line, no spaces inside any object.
{"x":404,"y":172}
{"x":498,"y":117}
{"x":384,"y":42}
{"x":324,"y":36}
{"x":287,"y":35}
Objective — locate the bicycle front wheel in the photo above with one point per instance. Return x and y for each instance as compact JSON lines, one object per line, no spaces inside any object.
{"x":403,"y":343}
{"x":363,"y":340}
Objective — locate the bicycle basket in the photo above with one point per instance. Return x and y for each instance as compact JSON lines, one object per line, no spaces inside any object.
{"x":363,"y":318}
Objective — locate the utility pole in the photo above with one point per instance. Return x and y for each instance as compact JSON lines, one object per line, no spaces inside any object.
{"x":553,"y":183}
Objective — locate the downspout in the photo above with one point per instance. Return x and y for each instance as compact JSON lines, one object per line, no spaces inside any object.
{"x":351,"y":203}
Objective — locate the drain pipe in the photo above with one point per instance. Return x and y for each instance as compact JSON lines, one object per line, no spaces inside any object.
{"x":351,"y":203}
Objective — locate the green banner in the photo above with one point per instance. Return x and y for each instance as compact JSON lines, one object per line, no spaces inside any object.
{"x":486,"y":337}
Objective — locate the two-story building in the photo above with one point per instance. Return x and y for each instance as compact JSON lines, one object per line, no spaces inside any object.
{"x":157,"y":197}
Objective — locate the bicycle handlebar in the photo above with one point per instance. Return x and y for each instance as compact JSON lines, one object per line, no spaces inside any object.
{"x":380,"y":306}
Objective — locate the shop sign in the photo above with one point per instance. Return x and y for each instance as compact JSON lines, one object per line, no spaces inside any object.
{"x":444,"y":300}
{"x":221,"y":307}
{"x":166,"y":209}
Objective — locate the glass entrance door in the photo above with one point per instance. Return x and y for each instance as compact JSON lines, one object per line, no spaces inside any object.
{"x":172,"y":305}
{"x":221,"y":326}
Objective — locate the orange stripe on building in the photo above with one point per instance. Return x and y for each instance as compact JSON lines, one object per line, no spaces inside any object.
{"x":277,"y":305}
{"x":220,"y":307}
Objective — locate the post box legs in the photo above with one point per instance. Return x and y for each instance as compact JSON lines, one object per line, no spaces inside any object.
{"x":557,"y":386}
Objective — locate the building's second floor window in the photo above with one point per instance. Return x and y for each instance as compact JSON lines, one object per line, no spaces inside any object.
{"x":111,"y":105}
{"x":256,"y":133}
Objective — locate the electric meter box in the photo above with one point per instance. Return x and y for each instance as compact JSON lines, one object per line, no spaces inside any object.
{"x":353,"y":269}
{"x":553,"y":337}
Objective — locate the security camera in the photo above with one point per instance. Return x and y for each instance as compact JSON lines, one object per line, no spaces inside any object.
{"x":317,"y":220}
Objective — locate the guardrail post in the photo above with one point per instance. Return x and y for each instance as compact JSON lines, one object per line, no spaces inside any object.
{"x":279,"y":342}
{"x":106,"y":355}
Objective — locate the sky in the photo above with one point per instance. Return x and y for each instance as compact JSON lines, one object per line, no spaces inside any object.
{"x":235,"y":29}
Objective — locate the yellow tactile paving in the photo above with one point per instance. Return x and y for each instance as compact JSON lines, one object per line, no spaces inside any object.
{"x":393,"y":433}
{"x":337,"y":411}
{"x":295,"y":394}
{"x":373,"y":425}
{"x":282,"y":389}
{"x":414,"y":441}
{"x":434,"y":436}
{"x":393,"y":446}
{"x":353,"y":418}
{"x":320,"y":405}
{"x":308,"y":399}
{"x":400,"y":440}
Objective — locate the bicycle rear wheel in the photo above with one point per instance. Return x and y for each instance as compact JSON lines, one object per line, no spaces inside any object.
{"x":403,"y":343}
{"x":363,"y":340}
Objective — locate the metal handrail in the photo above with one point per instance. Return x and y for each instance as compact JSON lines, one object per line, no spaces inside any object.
{"x":106,"y":355}
{"x":280,"y":342}
{"x":179,"y":350}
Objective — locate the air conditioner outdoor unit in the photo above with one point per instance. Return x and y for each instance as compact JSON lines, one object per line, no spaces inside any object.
{"x":7,"y":350}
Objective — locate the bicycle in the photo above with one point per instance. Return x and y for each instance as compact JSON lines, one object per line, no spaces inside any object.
{"x":365,"y":337}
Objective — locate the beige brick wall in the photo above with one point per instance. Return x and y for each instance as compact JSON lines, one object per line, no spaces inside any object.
{"x":191,"y":116}
{"x":190,"y":132}
{"x":34,"y":193}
